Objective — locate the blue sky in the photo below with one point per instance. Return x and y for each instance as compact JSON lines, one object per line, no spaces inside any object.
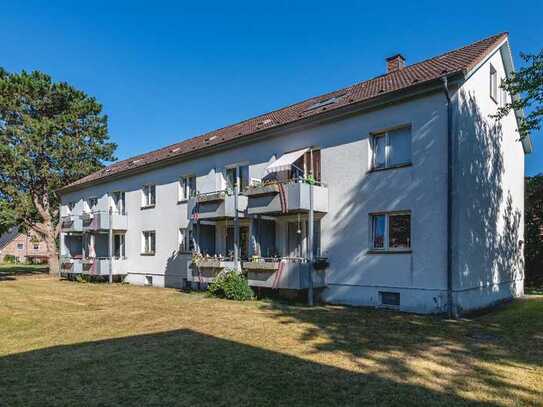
{"x":166,"y":71}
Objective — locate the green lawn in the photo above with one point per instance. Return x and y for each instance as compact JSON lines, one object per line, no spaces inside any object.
{"x":66,"y":343}
{"x":11,"y":271}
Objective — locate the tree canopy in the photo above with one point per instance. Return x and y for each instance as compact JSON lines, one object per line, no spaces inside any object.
{"x":533,"y":250}
{"x":51,"y":134}
{"x":526,"y":86}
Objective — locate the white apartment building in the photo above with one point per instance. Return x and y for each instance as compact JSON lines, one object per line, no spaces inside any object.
{"x":417,"y":195}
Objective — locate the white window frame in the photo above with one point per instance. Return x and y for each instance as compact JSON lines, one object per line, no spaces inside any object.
{"x":114,"y":204}
{"x":90,"y":205}
{"x":147,"y":241}
{"x":386,"y":243}
{"x":122,"y":245}
{"x":237,"y":167}
{"x":20,"y":246}
{"x":184,"y":237}
{"x":386,"y":134}
{"x":184,"y":193}
{"x":493,"y":84}
{"x":146,"y":195}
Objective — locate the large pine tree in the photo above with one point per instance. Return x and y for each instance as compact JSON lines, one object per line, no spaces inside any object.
{"x":51,"y":134}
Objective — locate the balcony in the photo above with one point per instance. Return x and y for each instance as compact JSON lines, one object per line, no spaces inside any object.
{"x":100,"y":220}
{"x":71,"y":265}
{"x":204,"y":270}
{"x":100,"y":266}
{"x":71,"y":223}
{"x":292,"y":274}
{"x":283,"y":198}
{"x":215,"y":206}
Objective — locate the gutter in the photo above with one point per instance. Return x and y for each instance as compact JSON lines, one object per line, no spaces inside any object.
{"x":450,"y":146}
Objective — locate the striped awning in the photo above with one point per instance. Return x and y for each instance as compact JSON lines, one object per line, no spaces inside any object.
{"x":284,"y":162}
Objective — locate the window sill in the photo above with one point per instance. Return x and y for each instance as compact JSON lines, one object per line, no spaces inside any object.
{"x":148,"y":207}
{"x":147,"y":254}
{"x":373,"y":251}
{"x":392,"y":167}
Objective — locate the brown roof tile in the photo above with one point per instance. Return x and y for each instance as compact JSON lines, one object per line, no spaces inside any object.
{"x":452,"y":62}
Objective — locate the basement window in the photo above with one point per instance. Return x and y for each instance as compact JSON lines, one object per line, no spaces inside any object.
{"x":389,"y":298}
{"x":149,"y":280}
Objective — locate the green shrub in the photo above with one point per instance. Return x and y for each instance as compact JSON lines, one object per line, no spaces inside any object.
{"x":231,"y":285}
{"x":10,"y":258}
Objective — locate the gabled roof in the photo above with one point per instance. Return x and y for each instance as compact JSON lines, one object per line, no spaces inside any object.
{"x":461,"y":60}
{"x":7,"y":237}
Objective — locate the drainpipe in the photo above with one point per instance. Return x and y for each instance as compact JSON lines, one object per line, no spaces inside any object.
{"x":236,"y":221}
{"x":450,"y":146}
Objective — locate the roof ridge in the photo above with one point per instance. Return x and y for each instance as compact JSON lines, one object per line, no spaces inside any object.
{"x":418,"y":72}
{"x":496,"y":36}
{"x":349,"y":87}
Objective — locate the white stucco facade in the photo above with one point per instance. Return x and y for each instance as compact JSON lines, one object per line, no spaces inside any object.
{"x":483,"y":271}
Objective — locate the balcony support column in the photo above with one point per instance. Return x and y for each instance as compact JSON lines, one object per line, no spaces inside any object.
{"x":311,"y":226}
{"x":110,"y":245}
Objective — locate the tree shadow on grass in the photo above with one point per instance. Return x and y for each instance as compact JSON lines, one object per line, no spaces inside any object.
{"x":489,"y":353}
{"x":187,"y":368}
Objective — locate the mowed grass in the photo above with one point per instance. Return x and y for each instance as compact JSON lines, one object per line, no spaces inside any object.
{"x":66,"y":343}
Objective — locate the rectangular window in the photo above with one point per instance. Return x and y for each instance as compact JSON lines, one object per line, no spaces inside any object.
{"x":119,"y":202}
{"x":20,"y":246}
{"x":232,"y":175}
{"x":71,"y":206}
{"x":119,"y":246}
{"x":186,"y":241}
{"x":391,"y":231}
{"x":148,"y":245}
{"x":36,"y":246}
{"x":391,"y":148}
{"x":378,"y":231}
{"x":93,"y":203}
{"x":493,"y":84}
{"x":149,"y":196}
{"x":390,"y":298}
{"x":187,"y":187}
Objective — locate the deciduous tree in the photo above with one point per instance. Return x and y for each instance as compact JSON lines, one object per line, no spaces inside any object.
{"x":526,"y":87}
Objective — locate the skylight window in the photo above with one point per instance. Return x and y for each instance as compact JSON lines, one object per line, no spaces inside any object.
{"x":207,"y":140}
{"x":264,"y":122}
{"x":325,"y":102}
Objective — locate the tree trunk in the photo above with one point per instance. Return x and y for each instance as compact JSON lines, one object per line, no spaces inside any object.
{"x":52,"y":254}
